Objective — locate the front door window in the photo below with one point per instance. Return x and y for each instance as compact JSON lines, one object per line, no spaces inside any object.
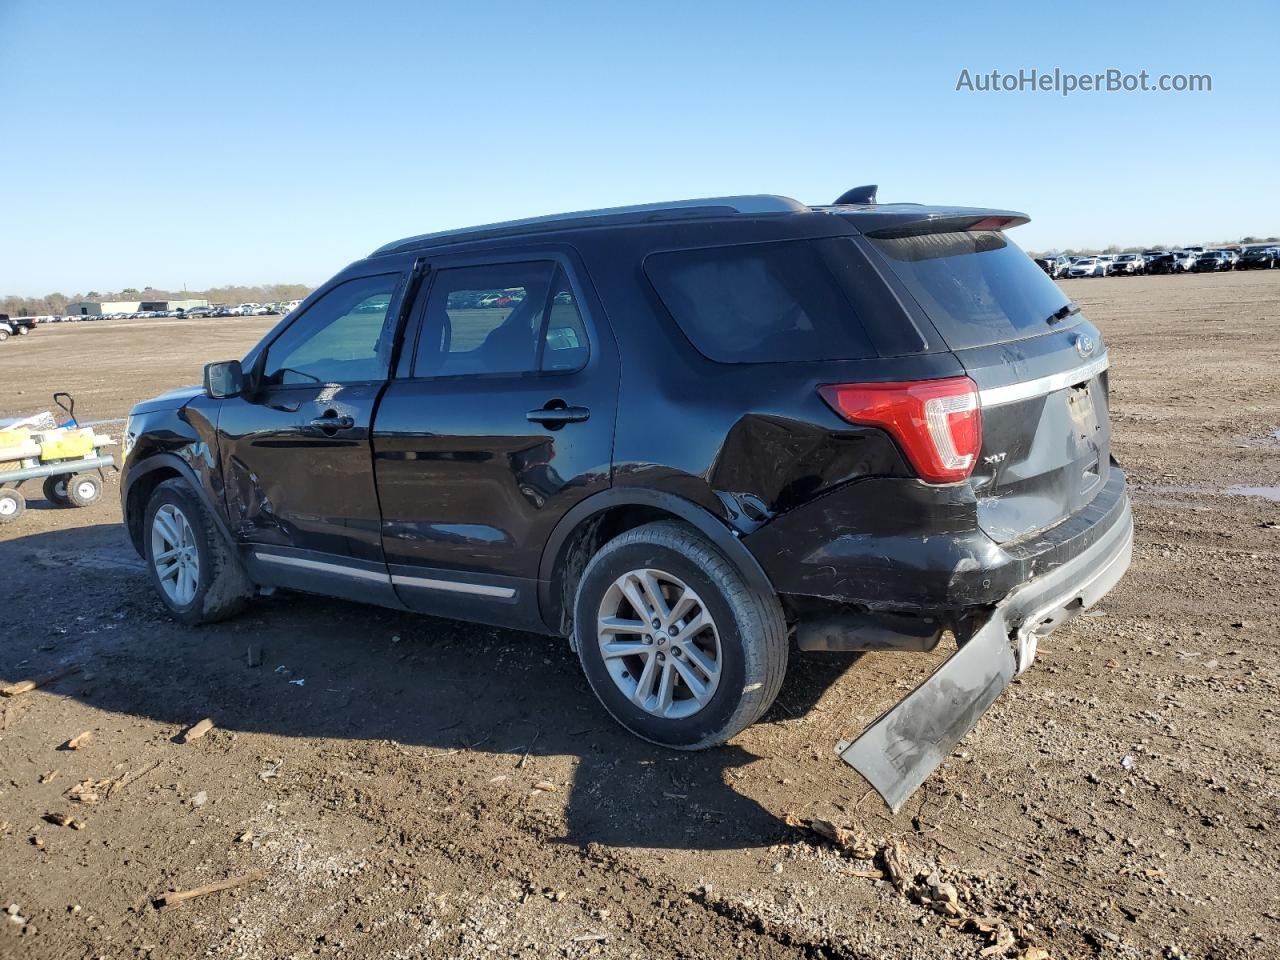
{"x":345,"y":337}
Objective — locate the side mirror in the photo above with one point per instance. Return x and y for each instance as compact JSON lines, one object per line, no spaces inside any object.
{"x":223,"y":379}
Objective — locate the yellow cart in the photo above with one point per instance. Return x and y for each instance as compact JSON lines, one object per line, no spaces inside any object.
{"x":69,"y":458}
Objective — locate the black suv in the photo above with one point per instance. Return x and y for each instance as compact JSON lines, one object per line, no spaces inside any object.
{"x":1213,"y":261}
{"x":679,"y":435}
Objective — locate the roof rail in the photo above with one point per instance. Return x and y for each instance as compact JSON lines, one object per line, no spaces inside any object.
{"x":710,"y":206}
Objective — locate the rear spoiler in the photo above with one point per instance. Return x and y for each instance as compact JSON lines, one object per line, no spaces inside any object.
{"x":913,"y":220}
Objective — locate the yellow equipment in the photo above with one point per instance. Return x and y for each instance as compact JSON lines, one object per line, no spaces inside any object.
{"x":69,"y":458}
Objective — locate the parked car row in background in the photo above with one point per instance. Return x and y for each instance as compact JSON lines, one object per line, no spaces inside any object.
{"x":18,"y":326}
{"x":1186,"y":260}
{"x":15,"y":326}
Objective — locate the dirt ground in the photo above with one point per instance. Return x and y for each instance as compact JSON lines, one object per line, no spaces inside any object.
{"x":395,"y":786}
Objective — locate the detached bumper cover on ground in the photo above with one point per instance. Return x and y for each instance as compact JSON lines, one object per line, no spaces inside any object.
{"x":904,"y":746}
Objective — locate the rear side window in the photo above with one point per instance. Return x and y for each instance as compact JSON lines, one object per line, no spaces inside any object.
{"x":977,"y":287}
{"x":761,"y":302}
{"x":505,"y":318}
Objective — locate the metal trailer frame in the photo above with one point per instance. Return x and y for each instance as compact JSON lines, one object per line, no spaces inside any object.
{"x":16,"y":477}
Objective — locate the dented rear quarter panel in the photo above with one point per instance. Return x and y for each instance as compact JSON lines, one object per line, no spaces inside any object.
{"x":748,"y":442}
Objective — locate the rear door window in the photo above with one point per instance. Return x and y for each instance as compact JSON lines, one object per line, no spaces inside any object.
{"x":978,"y":288}
{"x":763,"y":302}
{"x":502,"y":318}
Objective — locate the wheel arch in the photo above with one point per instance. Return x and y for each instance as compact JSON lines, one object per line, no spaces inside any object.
{"x":142,"y":480}
{"x":603,"y":516}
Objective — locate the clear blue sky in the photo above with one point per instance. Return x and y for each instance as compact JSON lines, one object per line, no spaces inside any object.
{"x":174,"y":143}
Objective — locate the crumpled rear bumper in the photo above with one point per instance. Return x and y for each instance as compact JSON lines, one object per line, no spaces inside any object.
{"x":905,"y":745}
{"x":893,"y":544}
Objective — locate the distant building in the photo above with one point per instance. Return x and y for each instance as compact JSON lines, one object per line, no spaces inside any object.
{"x":90,"y":308}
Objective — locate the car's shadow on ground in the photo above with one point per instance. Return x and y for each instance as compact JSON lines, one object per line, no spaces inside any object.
{"x":372,"y":674}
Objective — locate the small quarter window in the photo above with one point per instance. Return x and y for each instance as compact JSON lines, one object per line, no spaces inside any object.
{"x":564,"y":347}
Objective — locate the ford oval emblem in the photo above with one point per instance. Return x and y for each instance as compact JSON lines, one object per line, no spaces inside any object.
{"x":1084,"y":345}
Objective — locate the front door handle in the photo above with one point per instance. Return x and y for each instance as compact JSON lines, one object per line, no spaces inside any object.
{"x":557,"y":415}
{"x":333,"y":423}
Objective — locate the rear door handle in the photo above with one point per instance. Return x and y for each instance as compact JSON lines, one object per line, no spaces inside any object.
{"x":558,"y":416}
{"x":333,"y":423}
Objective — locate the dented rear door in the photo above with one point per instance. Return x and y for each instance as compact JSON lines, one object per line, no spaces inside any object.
{"x":1039,"y":365}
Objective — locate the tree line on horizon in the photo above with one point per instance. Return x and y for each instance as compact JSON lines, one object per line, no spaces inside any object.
{"x":55,"y":304}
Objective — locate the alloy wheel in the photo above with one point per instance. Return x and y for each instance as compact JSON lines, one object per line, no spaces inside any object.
{"x":174,"y":554}
{"x":659,"y":643}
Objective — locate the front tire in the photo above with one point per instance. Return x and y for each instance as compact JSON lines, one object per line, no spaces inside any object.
{"x":83,"y":490}
{"x":192,"y":567}
{"x":12,"y":505}
{"x":677,"y":646}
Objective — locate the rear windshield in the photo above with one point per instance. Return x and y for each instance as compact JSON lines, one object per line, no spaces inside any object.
{"x":776,"y":302}
{"x":977,"y":287}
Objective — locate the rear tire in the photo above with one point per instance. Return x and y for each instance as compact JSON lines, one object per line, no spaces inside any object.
{"x":192,"y":567}
{"x":83,"y":490}
{"x":722,"y":644}
{"x":12,"y":505}
{"x":55,"y":491}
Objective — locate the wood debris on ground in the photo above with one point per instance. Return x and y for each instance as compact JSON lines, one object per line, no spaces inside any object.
{"x":26,"y":686}
{"x":91,"y":790}
{"x":197,"y":730}
{"x":854,"y":842}
{"x":88,"y":791}
{"x":924,"y":883}
{"x":126,"y":778}
{"x":181,"y":896}
{"x":64,"y":820}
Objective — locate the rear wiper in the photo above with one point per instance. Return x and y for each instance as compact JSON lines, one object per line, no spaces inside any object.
{"x":1064,"y":311}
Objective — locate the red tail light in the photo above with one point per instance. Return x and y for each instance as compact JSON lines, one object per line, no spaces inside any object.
{"x":938,"y":423}
{"x":991,"y":223}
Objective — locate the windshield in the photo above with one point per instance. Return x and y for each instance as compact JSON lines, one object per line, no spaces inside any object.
{"x":977,"y":288}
